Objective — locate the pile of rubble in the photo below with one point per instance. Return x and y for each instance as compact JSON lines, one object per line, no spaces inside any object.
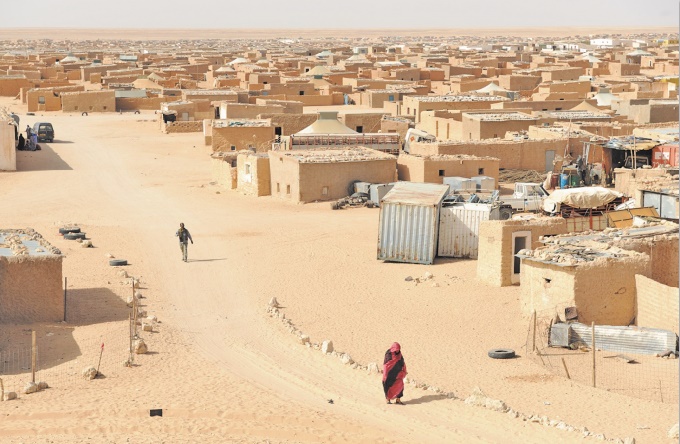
{"x":512,"y":176}
{"x":14,"y":240}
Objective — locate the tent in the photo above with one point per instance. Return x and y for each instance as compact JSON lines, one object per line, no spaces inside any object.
{"x":327,"y":123}
{"x":585,"y":106}
{"x":491,"y":88}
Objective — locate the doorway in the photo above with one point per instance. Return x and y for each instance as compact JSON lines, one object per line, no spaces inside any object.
{"x":549,"y":160}
{"x":520,"y":240}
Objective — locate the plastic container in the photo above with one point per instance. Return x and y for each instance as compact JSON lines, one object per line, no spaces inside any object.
{"x":564,"y":180}
{"x":574,"y":180}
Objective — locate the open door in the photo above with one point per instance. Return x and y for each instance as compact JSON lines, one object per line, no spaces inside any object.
{"x":520,"y":241}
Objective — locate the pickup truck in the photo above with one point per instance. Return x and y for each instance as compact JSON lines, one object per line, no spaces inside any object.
{"x":527,"y":197}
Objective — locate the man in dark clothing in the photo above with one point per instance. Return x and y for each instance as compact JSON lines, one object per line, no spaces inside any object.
{"x":22,"y":142}
{"x":184,"y":238}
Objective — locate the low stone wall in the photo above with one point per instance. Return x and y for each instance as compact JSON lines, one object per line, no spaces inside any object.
{"x":183,"y":127}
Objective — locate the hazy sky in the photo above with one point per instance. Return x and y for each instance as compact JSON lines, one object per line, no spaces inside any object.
{"x":360,"y":14}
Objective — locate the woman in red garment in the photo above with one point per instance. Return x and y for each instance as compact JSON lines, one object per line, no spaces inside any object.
{"x":394,"y":372}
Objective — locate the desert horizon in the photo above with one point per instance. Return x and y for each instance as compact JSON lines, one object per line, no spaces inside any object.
{"x":500,"y":202}
{"x":264,"y":33}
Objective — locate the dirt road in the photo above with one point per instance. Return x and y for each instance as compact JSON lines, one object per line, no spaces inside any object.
{"x":225,"y":371}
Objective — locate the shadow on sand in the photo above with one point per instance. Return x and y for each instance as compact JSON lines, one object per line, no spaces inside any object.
{"x":424,"y":399}
{"x":44,"y":160}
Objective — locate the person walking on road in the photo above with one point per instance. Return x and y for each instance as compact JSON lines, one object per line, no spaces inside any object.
{"x":394,"y":372}
{"x":184,"y":238}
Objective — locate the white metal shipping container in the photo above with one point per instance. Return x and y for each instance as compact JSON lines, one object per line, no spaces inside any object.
{"x":409,"y":222}
{"x":459,"y":229}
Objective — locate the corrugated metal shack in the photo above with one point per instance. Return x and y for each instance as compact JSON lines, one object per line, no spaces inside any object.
{"x":409,"y":222}
{"x":459,"y":229}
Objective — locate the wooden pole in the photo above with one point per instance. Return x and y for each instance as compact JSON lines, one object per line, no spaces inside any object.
{"x":593,"y":346}
{"x":564,"y":363}
{"x":134,"y":309}
{"x":130,"y":331}
{"x":533,"y":342}
{"x":65,"y":285}
{"x":2,"y":390}
{"x":33,"y":353}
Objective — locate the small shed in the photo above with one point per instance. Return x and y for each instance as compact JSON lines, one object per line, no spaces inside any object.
{"x":409,"y":222}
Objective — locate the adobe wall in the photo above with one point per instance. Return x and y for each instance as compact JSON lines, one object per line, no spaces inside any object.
{"x":663,"y":253}
{"x":337,"y":177}
{"x":549,"y":289}
{"x":247,"y":111}
{"x":253,"y":174}
{"x":495,"y":256}
{"x":609,"y":301}
{"x":419,"y":169}
{"x":394,"y":126}
{"x":31,"y":289}
{"x":289,"y":106}
{"x":89,"y":101}
{"x":290,"y":123}
{"x":525,"y":154}
{"x":519,"y":83}
{"x":369,"y":121}
{"x":145,"y":103}
{"x":489,"y":129}
{"x":221,"y":172}
{"x":52,"y":101}
{"x":8,"y":154}
{"x":285,"y":176}
{"x":625,"y":183}
{"x":182,"y":127}
{"x":657,"y":304}
{"x":11,"y":87}
{"x":242,"y":138}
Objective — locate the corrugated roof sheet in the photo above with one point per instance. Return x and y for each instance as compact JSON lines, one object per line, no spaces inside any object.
{"x":412,"y":193}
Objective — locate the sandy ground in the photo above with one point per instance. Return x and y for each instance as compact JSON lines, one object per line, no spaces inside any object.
{"x":223,"y":370}
{"x":175,"y":34}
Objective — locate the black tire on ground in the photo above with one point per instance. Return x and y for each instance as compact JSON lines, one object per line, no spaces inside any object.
{"x":350,"y":188}
{"x":505,"y":213}
{"x":74,"y":236}
{"x":117,"y":262}
{"x":84,"y":114}
{"x":501,"y":353}
{"x":137,"y":112}
{"x":69,"y":230}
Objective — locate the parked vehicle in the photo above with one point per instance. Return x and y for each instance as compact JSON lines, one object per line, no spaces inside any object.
{"x":45,"y":131}
{"x":528,"y":196}
{"x":414,"y":135}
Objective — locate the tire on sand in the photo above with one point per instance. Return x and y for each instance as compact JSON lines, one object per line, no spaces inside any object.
{"x":502,"y":353}
{"x":69,"y":230}
{"x":117,"y":262}
{"x":74,"y":236}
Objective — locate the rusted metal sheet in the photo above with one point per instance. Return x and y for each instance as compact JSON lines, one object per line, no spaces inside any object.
{"x":409,"y":222}
{"x":459,"y":229}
